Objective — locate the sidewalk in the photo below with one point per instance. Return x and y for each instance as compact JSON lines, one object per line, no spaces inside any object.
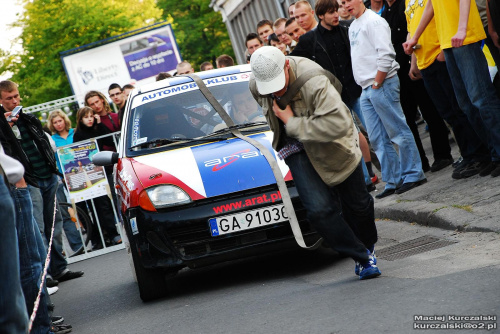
{"x":471,"y":204}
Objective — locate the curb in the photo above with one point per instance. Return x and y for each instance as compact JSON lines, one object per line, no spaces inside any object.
{"x":438,"y":215}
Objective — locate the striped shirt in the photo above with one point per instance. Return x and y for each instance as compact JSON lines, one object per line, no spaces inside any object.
{"x":37,"y":161}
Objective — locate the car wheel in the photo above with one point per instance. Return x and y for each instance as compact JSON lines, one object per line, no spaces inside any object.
{"x":152,"y":282}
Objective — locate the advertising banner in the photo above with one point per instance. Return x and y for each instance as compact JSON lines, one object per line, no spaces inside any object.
{"x":136,"y":59}
{"x":84,"y":179}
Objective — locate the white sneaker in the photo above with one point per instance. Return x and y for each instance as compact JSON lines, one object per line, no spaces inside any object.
{"x":52,"y":290}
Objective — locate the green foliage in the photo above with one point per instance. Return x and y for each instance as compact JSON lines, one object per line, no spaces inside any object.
{"x":199,"y":30}
{"x":53,"y":26}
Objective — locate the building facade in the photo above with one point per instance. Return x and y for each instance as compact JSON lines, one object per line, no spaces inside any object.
{"x":241,"y":18}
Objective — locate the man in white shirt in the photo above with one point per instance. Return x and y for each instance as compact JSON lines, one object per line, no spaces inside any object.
{"x":375,"y":70}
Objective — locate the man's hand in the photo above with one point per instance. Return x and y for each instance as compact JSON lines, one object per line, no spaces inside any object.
{"x":408,"y":45}
{"x":12,"y":120}
{"x":285,"y":114}
{"x":97,"y":118}
{"x":21,"y":183}
{"x":414,"y":73}
{"x":458,"y":40}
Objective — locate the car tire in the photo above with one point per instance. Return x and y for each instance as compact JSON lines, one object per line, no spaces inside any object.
{"x":152,"y":282}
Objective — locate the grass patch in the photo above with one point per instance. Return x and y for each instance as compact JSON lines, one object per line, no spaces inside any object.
{"x":467,"y":208}
{"x":403,"y":201}
{"x":436,"y":210}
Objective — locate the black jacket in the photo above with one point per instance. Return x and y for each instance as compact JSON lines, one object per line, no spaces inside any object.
{"x":84,"y":132}
{"x":38,"y":135}
{"x":13,"y":147}
{"x":312,"y":46}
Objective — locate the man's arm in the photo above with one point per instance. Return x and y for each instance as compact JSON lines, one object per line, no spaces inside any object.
{"x":463,"y":20}
{"x":491,"y":27}
{"x":414,"y":71}
{"x":381,"y":38}
{"x":427,"y":16}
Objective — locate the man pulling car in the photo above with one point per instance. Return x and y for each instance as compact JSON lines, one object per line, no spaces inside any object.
{"x":315,"y":135}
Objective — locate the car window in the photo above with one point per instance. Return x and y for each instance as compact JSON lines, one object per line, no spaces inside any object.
{"x":187,"y":114}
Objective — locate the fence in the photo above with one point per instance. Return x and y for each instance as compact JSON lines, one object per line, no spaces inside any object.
{"x":86,"y":219}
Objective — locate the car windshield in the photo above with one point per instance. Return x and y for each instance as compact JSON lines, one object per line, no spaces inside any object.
{"x":182,"y":112}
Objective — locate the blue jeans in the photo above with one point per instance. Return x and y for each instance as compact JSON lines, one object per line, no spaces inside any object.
{"x":438,"y":84}
{"x":386,"y":124}
{"x":29,"y":258}
{"x":356,"y":107}
{"x":475,"y":93}
{"x":13,"y":315}
{"x":43,"y":201}
{"x":74,"y":239}
{"x":343,"y":214}
{"x":368,"y":179}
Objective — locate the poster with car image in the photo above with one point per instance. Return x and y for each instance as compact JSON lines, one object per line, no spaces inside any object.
{"x":84,"y":179}
{"x":135,"y":57}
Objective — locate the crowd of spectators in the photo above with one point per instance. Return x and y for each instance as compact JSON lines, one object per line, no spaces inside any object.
{"x":430,"y":83}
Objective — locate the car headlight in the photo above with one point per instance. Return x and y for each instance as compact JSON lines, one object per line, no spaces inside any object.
{"x":167,"y":195}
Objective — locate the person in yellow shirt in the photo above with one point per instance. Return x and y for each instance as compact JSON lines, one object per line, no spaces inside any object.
{"x":467,"y":68}
{"x":428,"y":63}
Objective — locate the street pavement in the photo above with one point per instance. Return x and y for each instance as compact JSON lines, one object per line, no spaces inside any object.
{"x":470,"y":204}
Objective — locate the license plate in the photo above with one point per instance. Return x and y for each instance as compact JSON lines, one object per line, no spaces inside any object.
{"x":247,"y":220}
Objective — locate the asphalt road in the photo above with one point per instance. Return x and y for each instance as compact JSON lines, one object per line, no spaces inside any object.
{"x":298,"y":292}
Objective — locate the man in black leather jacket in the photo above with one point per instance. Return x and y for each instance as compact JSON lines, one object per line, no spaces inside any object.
{"x":34,"y":151}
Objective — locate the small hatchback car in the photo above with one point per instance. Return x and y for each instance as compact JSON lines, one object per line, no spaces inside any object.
{"x":190,"y":193}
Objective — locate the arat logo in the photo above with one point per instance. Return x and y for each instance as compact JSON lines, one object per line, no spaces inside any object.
{"x":218,"y":164}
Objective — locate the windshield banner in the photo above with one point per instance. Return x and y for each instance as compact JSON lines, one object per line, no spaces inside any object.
{"x":84,"y":179}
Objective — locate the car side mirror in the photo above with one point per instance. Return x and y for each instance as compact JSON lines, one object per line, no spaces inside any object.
{"x":105,"y":158}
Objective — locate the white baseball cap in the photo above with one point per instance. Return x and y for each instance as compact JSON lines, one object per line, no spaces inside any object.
{"x":268,"y":68}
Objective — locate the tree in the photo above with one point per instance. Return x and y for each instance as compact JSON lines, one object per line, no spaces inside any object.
{"x":199,"y":30}
{"x":53,"y":26}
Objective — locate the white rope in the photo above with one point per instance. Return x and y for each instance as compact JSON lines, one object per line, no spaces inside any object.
{"x":46,"y":266}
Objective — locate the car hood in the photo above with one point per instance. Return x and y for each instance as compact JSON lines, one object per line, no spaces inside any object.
{"x":211,"y":169}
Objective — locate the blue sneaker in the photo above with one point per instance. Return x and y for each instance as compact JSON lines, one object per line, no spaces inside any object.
{"x":369,"y":269}
{"x":372,"y":254}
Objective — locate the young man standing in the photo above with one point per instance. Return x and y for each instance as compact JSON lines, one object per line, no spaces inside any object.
{"x":375,"y":70}
{"x":279,"y":30}
{"x":116,"y":94}
{"x":224,"y":61}
{"x":304,"y":15}
{"x":413,"y":94}
{"x":316,"y":137}
{"x":428,"y":63}
{"x":264,"y":29}
{"x":460,"y":32}
{"x":293,"y":29}
{"x":253,"y":42}
{"x":184,"y":67}
{"x":328,"y":46}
